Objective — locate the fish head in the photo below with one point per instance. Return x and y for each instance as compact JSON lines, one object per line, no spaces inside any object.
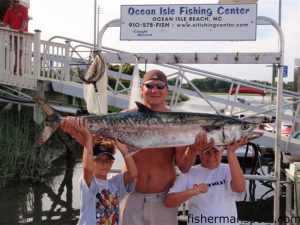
{"x":239,"y":129}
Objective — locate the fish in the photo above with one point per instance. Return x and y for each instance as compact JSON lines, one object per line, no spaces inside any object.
{"x":146,"y":128}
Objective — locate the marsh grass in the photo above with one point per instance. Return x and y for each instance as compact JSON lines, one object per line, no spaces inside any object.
{"x":16,"y":140}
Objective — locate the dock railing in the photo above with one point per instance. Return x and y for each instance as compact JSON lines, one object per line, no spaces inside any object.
{"x":18,"y":55}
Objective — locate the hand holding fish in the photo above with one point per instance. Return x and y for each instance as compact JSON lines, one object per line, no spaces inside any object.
{"x":77,"y":128}
{"x":236,"y":144}
{"x":201,"y":142}
{"x":122,"y":148}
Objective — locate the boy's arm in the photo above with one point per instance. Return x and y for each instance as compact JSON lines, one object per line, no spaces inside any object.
{"x":77,"y":127}
{"x":132,"y":171}
{"x":238,"y":182}
{"x":186,"y":156}
{"x":176,"y":199}
{"x":88,"y":161}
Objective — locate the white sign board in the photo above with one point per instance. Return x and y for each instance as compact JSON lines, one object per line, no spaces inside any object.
{"x":226,"y":22}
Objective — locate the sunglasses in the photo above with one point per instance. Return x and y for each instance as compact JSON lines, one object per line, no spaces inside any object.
{"x":158,"y":85}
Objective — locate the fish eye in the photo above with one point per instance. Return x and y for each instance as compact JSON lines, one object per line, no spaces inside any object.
{"x":245,"y":126}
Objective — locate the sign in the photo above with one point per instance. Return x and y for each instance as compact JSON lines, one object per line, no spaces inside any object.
{"x":207,"y":22}
{"x":285,"y":71}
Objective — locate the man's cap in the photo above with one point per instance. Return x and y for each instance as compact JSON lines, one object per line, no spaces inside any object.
{"x":155,"y":75}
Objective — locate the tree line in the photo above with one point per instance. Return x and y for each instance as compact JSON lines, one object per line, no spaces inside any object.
{"x":220,"y":86}
{"x":204,"y":84}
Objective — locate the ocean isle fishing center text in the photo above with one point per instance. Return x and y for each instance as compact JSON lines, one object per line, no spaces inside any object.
{"x":186,"y":10}
{"x":167,"y":13}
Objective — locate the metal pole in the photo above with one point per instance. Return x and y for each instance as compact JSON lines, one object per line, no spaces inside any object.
{"x":279,"y":14}
{"x":95,"y":25}
{"x":278,"y":121}
{"x":274,"y":73}
{"x":277,"y":165}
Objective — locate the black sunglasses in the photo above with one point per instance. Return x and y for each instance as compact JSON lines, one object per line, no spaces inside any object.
{"x":158,"y":85}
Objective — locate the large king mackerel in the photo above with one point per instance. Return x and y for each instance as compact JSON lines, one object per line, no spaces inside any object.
{"x":148,"y":129}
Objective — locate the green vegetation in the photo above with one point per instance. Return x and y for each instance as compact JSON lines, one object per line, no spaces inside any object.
{"x":16,"y":151}
{"x":4,"y":5}
{"x":219,"y":86}
{"x":287,"y":86}
{"x":126,"y":69}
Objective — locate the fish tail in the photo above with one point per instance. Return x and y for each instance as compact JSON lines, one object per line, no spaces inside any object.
{"x":51,"y":122}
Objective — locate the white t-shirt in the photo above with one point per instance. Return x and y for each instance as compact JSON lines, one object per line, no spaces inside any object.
{"x":217,"y":205}
{"x":100,"y":203}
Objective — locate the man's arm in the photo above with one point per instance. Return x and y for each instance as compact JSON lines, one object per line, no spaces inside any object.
{"x":25,"y":20}
{"x":186,"y":156}
{"x":3,"y":24}
{"x":23,"y":27}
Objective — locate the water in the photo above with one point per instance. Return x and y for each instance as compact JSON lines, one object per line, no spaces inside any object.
{"x":57,"y":200}
{"x":199,"y":105}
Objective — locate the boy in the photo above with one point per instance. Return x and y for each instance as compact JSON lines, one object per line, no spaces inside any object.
{"x":100,"y":197}
{"x":211,"y":187}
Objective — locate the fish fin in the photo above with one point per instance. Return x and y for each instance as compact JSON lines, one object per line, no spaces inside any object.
{"x":51,"y":122}
{"x":209,"y":128}
{"x":142,"y":108}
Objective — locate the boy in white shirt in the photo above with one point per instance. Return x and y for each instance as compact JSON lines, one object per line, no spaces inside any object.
{"x":211,"y":188}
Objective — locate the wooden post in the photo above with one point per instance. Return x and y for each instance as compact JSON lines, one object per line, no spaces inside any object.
{"x":38,"y":114}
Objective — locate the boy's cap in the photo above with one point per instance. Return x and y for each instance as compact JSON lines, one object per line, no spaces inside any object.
{"x":212,"y":148}
{"x":155,"y":75}
{"x":98,"y":151}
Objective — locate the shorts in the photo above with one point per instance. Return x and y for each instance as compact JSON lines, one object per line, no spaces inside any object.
{"x":147,"y":209}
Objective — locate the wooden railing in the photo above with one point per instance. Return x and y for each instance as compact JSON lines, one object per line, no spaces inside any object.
{"x":18,"y":52}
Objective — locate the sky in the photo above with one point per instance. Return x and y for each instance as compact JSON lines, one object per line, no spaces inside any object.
{"x":75,"y":19}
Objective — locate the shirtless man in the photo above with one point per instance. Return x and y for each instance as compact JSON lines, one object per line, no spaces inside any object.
{"x":157,"y":166}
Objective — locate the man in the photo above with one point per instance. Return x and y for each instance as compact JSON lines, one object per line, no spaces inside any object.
{"x":16,"y":17}
{"x":156,"y":166}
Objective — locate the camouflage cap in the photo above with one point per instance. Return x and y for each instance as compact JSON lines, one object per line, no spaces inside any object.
{"x":209,"y":148}
{"x":155,"y":75}
{"x":104,"y":146}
